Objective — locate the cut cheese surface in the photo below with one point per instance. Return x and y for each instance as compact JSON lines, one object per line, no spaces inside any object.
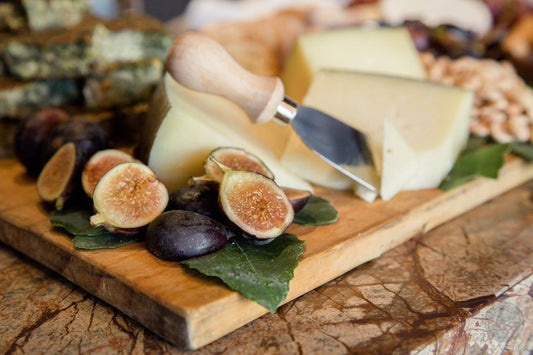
{"x":376,"y":50}
{"x":415,"y":129}
{"x":196,"y":123}
{"x":399,"y":161}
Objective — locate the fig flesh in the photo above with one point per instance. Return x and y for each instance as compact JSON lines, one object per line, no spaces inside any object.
{"x":178,"y":235}
{"x":99,"y":164}
{"x":127,"y":197}
{"x":255,"y":204}
{"x":59,"y":178}
{"x":201,"y":198}
{"x":30,"y":135}
{"x":234,"y":159}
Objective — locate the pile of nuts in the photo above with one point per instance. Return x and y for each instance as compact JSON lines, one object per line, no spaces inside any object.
{"x":503,"y":103}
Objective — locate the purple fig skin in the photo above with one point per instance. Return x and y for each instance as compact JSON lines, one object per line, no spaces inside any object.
{"x":201,"y":198}
{"x":298,"y":198}
{"x":32,"y":131}
{"x":89,"y":137}
{"x":178,"y":235}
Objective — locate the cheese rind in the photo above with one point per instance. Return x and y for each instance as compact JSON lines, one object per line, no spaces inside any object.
{"x":426,"y":129}
{"x":184,"y":126}
{"x":376,"y":50}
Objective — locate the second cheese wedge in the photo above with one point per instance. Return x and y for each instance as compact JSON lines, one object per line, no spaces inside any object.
{"x":376,"y":50}
{"x":415,"y":129}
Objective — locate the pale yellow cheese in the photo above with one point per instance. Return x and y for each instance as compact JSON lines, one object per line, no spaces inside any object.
{"x":415,"y":129}
{"x":195,"y":124}
{"x":377,"y":50}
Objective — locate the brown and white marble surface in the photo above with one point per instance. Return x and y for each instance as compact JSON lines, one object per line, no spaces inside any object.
{"x":463,"y":288}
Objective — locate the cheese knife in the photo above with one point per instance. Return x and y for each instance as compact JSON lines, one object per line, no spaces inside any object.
{"x":198,"y":62}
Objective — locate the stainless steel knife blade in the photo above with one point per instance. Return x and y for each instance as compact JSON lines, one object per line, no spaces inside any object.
{"x":338,"y":144}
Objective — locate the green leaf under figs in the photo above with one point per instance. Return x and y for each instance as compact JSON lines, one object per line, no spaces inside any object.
{"x":76,"y":222}
{"x":260,"y":273}
{"x":318,"y":211}
{"x":523,"y":150}
{"x":104,"y":241}
{"x":485,"y":161}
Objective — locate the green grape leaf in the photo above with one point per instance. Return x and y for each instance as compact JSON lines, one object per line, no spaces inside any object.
{"x":523,"y":150}
{"x":483,"y":161}
{"x":260,"y":273}
{"x":75,"y":222}
{"x":318,"y":211}
{"x":104,"y":241}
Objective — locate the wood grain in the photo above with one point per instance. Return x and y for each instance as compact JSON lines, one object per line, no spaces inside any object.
{"x":190,"y":310}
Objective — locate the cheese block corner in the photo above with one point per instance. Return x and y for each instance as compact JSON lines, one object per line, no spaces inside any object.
{"x":415,"y":129}
{"x":182,"y":126}
{"x":388,"y":50}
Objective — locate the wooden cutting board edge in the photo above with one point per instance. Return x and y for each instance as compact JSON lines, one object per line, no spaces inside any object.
{"x":194,"y":328}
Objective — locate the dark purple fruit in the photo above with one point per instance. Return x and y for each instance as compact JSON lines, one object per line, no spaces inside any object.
{"x":298,"y":198}
{"x":32,"y":131}
{"x":179,"y":235}
{"x":201,"y":198}
{"x":89,"y":137}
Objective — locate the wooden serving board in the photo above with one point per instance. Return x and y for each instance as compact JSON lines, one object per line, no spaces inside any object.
{"x":191,"y":310}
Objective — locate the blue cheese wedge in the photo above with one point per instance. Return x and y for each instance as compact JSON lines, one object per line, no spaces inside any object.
{"x":20,"y":98}
{"x":74,"y":52}
{"x":47,"y":14}
{"x":122,"y":83}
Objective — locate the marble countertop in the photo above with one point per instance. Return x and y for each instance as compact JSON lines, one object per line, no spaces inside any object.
{"x":465,"y":287}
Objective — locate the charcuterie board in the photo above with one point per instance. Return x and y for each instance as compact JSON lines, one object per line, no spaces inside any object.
{"x":191,"y":310}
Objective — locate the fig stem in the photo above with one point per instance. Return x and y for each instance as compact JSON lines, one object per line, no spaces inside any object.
{"x":222,"y":167}
{"x":97,"y":220}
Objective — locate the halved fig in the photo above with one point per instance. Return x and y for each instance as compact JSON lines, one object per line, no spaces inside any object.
{"x":298,"y":198}
{"x":255,"y":204}
{"x":99,"y":164}
{"x":128,"y":196}
{"x":59,"y":178}
{"x":234,"y":159}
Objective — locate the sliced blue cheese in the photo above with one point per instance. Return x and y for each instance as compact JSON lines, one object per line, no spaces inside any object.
{"x":46,"y":14}
{"x":93,"y":43}
{"x":122,"y":83}
{"x":19,"y":98}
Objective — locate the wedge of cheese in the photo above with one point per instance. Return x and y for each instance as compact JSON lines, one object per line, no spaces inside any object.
{"x":183,"y":126}
{"x":376,"y":50}
{"x":415,"y":128}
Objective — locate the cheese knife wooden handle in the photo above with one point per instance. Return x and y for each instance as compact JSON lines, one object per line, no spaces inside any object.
{"x":198,"y":62}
